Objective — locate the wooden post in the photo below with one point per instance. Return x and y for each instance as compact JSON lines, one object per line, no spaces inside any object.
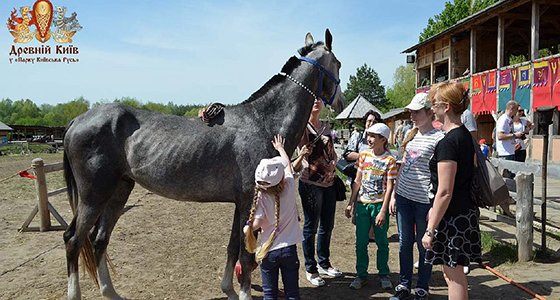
{"x":500,"y":60}
{"x":473,"y":51}
{"x":535,"y":22}
{"x":524,"y":216}
{"x":41,"y":184}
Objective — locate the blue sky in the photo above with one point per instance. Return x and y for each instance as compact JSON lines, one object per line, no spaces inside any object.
{"x":196,"y":52}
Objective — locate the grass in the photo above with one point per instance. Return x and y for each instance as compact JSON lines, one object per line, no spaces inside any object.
{"x":498,"y":252}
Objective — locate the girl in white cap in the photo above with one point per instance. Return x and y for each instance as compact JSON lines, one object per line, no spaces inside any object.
{"x":369,"y":202}
{"x":411,"y":201}
{"x":274,"y":210}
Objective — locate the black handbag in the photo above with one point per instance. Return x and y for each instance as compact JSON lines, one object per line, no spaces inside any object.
{"x":346,"y":167}
{"x":339,"y":189}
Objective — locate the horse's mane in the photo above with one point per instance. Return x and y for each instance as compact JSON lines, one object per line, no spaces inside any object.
{"x":290,"y":65}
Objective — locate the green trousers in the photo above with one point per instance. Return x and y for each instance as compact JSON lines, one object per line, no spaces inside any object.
{"x":365,"y":218}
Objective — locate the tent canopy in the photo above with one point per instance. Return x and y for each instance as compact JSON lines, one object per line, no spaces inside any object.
{"x":357,"y":109}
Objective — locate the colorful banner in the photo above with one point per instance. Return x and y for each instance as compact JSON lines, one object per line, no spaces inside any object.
{"x":506,"y":88}
{"x":555,"y":81}
{"x":521,"y":80}
{"x":545,"y":79}
{"x":476,"y":84}
{"x":423,"y":89}
{"x":484,"y":93}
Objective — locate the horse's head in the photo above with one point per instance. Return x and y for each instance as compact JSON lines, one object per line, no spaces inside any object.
{"x":322,"y":57}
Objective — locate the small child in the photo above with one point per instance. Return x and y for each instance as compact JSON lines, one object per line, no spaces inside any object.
{"x":275,"y":189}
{"x":483,"y":147}
{"x":377,"y":171}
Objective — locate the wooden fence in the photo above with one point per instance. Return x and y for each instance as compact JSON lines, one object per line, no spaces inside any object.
{"x":43,"y":206}
{"x":524,"y":214}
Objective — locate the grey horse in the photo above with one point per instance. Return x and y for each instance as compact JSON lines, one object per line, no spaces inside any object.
{"x":111,"y":147}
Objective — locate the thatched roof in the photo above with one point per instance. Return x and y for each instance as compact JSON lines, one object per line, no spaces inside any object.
{"x":357,"y":109}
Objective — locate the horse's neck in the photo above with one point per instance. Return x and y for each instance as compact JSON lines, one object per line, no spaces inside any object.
{"x":289,"y":106}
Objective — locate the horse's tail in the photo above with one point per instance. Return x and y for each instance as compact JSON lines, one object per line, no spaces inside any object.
{"x":88,"y":257}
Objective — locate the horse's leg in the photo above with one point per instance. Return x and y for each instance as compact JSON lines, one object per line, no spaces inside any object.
{"x":105,"y":227}
{"x":86,"y":216}
{"x":232,"y":256}
{"x":246,"y":259}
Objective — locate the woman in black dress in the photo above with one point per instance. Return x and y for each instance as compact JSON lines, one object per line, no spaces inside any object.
{"x":452,"y":237}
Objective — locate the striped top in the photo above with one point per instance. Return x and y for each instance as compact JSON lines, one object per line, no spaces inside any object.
{"x":375,"y":170}
{"x":414,"y":178}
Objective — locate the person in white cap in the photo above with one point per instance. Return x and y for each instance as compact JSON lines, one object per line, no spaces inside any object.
{"x":369,"y":203}
{"x":274,"y":210}
{"x":411,"y":201}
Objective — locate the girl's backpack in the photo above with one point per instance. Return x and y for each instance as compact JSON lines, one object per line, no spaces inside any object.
{"x":488,"y":185}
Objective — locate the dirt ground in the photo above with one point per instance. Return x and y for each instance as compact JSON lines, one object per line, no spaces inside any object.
{"x":165,"y":249}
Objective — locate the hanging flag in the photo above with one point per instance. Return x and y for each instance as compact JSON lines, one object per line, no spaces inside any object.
{"x":521,"y":82}
{"x":542,"y":92}
{"x":555,"y":81}
{"x":505,"y":90}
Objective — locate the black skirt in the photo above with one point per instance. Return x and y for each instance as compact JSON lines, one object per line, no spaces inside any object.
{"x":457,"y":241}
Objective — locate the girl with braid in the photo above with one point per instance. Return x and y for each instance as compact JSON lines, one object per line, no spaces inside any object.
{"x":274,"y":211}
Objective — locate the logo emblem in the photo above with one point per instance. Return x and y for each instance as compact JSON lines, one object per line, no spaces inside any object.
{"x":42,"y":17}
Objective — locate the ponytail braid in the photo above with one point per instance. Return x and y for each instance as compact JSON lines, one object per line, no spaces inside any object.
{"x":263,"y":251}
{"x":250,"y":238}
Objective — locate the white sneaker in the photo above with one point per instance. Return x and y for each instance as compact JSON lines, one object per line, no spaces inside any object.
{"x":466,"y":269}
{"x":416,"y":265}
{"x":333,"y":272}
{"x":314,"y":279}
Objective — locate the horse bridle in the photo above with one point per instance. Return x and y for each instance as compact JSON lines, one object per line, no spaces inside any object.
{"x":322,"y":73}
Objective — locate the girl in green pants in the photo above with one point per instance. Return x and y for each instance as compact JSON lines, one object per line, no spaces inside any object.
{"x":369,"y":203}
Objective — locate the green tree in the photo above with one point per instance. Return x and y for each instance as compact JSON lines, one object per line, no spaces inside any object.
{"x":6,"y":109}
{"x":25,"y":112}
{"x":365,"y":82}
{"x":193,"y":111}
{"x":162,"y":108}
{"x":129,"y":101}
{"x":452,"y":13}
{"x":403,"y":88}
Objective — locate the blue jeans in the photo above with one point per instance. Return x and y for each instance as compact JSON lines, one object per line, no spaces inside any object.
{"x":284,"y":260}
{"x":409,"y":214}
{"x":319,"y":206}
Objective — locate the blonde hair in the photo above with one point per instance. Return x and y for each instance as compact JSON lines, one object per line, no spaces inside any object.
{"x":250,"y":238}
{"x":453,"y":93}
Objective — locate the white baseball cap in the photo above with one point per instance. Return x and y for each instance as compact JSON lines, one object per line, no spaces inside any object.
{"x":380,"y":128}
{"x":419,"y":101}
{"x":270,"y":171}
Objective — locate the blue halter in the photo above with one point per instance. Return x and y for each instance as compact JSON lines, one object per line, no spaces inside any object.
{"x":322,"y":73}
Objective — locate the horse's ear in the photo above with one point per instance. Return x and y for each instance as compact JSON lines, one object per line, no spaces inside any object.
{"x":328,"y":39}
{"x":309,"y":39}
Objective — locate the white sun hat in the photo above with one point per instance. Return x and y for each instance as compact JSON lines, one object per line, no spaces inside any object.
{"x":270,"y":171}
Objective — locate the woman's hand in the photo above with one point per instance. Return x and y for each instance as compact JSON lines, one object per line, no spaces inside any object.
{"x":348,"y":211}
{"x":380,"y":219}
{"x":304,"y":151}
{"x":393,"y":206}
{"x":427,"y":240}
{"x":278,"y":142}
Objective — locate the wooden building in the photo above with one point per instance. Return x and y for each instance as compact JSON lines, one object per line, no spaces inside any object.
{"x":508,"y":51}
{"x":4,"y":131}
